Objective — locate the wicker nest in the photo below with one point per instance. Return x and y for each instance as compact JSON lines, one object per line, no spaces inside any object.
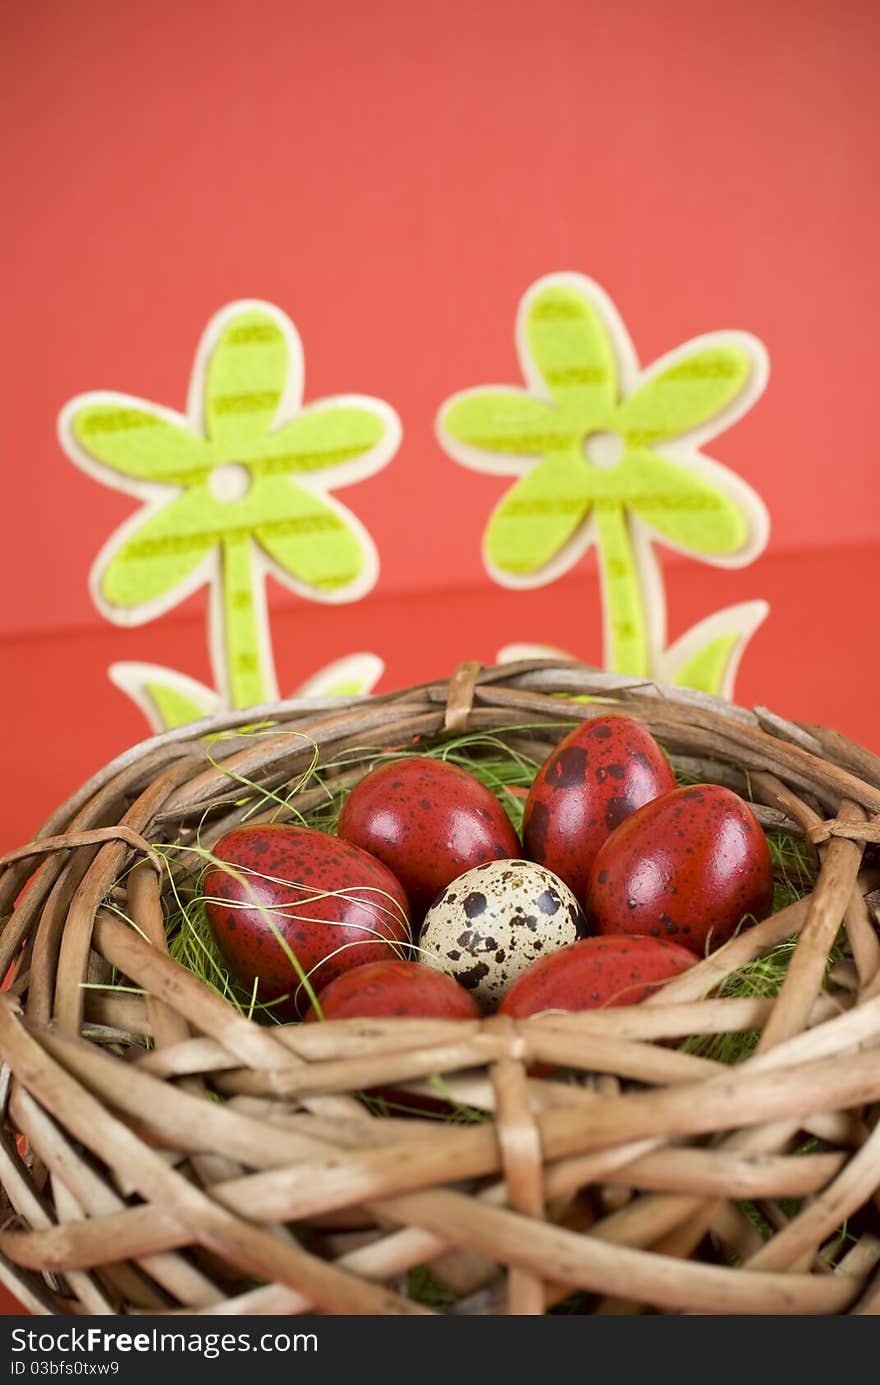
{"x":163,"y":1153}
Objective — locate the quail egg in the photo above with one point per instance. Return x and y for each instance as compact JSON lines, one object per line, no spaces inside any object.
{"x":487,"y":926}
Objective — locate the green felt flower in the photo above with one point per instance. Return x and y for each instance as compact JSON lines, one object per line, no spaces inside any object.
{"x":608,"y":455}
{"x":237,"y":488}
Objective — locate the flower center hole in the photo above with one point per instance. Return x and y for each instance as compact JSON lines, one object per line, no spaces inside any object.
{"x":231,"y":481}
{"x":604,"y":448}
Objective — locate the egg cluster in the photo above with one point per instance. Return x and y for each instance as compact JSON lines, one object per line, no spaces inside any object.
{"x":426,"y":901}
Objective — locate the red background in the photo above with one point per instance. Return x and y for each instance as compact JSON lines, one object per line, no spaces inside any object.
{"x":394,"y":175}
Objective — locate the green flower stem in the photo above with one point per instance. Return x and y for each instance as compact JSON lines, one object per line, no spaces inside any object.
{"x":241,"y":631}
{"x":622,"y":596}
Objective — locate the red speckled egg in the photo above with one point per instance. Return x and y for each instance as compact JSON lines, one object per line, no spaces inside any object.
{"x":429,"y":821}
{"x":596,"y":972}
{"x":395,"y":988}
{"x":334,"y":905}
{"x":597,"y":777}
{"x":689,"y":866}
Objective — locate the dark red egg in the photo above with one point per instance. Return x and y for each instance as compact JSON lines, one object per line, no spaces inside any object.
{"x":596,"y":972}
{"x":690,"y":866}
{"x":334,"y":906}
{"x":429,"y":822}
{"x":391,"y":989}
{"x":388,"y":988}
{"x":597,"y":777}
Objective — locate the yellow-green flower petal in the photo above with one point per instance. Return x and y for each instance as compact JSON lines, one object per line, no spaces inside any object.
{"x":308,"y":538}
{"x":161,"y":553}
{"x":679,"y":504}
{"x":134,"y":440}
{"x":538,"y":515}
{"x":323,"y":436}
{"x":506,"y":421}
{"x":245,"y":380}
{"x":572,"y":352}
{"x":685,"y":395}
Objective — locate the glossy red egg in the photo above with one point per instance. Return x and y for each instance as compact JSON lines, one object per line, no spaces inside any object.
{"x":334,"y":906}
{"x":428,"y":821}
{"x":597,"y":777}
{"x":596,"y":972}
{"x":387,"y":988}
{"x":690,"y":866}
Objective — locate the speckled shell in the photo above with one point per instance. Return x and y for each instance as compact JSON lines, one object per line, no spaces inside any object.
{"x":491,"y":923}
{"x":596,"y":972}
{"x":395,"y":988}
{"x":304,"y":865}
{"x":429,"y":821}
{"x":602,"y":772}
{"x":689,"y":866}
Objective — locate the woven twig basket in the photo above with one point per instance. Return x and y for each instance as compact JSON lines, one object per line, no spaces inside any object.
{"x":127,"y":1189}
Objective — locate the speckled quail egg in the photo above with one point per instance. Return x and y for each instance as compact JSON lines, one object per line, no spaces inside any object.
{"x":493,"y":921}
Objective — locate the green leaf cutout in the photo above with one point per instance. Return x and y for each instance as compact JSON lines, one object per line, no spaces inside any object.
{"x":351,"y":676}
{"x":172,"y":706}
{"x":705,"y":671}
{"x":351,"y":689}
{"x":166,"y":698}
